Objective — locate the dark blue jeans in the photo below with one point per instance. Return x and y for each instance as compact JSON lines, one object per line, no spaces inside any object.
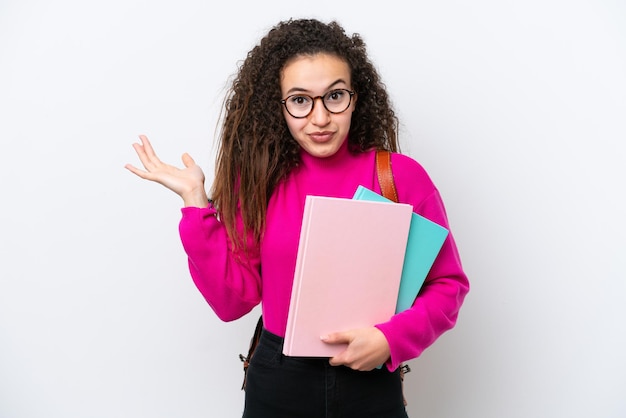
{"x":295,"y":387}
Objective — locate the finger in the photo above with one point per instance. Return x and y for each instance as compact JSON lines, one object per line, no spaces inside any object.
{"x":136,"y":170}
{"x":148,"y":160}
{"x":145,"y":142}
{"x":187,"y":160}
{"x":334,"y":361}
{"x":141,"y":153}
{"x":148,"y":150}
{"x":341,"y":359}
{"x":337,"y":338}
{"x":146,"y":175}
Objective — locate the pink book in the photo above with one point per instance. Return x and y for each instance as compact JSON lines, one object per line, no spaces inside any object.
{"x":348,"y":270}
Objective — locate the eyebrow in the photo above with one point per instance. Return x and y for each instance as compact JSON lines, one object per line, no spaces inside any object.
{"x":303,"y":90}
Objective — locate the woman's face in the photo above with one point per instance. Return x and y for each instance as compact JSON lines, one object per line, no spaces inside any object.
{"x":321,"y":133}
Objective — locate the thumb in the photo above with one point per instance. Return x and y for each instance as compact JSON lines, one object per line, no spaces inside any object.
{"x":187,"y":160}
{"x":337,"y":338}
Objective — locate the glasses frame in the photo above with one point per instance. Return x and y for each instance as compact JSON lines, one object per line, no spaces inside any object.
{"x":314,"y":99}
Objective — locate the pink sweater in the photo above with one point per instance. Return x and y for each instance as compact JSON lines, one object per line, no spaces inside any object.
{"x":233,"y":284}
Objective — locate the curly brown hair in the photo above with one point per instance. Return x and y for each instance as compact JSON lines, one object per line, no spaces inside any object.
{"x":256,"y":149}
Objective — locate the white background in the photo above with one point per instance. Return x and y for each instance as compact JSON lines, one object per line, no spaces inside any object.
{"x":517,"y":110}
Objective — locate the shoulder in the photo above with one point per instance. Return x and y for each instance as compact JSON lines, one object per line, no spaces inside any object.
{"x":406,"y":168}
{"x":413,"y":182}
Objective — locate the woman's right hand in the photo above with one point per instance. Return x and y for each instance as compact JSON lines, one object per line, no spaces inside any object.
{"x":188,"y":183}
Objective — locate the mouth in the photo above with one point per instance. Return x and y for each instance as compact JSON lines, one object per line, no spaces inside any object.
{"x":321,"y":137}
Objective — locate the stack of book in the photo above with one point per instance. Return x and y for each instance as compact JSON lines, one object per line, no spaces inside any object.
{"x":359,"y":261}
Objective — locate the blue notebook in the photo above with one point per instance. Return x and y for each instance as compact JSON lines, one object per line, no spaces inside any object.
{"x":424,"y":243}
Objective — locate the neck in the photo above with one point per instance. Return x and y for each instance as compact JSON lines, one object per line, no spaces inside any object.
{"x":334,"y":160}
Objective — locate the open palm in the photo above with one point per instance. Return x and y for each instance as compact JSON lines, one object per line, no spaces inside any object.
{"x":187,"y":182}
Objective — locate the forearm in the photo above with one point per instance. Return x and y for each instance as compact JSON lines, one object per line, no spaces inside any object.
{"x":434,"y":312}
{"x":229,"y":282}
{"x":437,"y":305}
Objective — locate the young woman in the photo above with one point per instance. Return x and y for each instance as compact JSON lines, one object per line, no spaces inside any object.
{"x":304,"y":116}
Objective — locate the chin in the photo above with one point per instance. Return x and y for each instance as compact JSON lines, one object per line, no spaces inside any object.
{"x":322,"y":153}
{"x":322,"y":150}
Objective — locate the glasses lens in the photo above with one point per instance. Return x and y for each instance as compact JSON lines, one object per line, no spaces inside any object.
{"x":299,"y":106}
{"x":337,"y":101}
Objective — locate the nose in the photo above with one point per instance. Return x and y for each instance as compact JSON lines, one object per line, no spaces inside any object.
{"x":320,"y":116}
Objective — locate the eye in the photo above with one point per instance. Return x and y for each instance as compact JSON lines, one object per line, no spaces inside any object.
{"x":299,"y":100}
{"x":335,"y":95}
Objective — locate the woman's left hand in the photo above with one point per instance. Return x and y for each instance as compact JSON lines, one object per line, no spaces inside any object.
{"x":367,"y":348}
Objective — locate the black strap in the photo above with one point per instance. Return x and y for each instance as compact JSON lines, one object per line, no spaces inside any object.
{"x":254,"y":341}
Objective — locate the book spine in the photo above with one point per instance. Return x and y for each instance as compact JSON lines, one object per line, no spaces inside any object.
{"x":297,"y":283}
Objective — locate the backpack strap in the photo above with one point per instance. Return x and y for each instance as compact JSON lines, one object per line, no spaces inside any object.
{"x":388,"y":190}
{"x":385,"y":175}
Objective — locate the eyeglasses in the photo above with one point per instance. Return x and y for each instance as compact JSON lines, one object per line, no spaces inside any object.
{"x":301,"y":105}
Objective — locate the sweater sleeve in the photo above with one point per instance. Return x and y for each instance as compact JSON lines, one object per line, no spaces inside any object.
{"x":229,"y":281}
{"x":436,"y":307}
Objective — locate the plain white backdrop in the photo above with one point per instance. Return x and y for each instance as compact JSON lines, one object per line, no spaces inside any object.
{"x":517,"y":110}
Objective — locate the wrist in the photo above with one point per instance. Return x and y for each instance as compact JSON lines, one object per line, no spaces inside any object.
{"x":195,"y":198}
